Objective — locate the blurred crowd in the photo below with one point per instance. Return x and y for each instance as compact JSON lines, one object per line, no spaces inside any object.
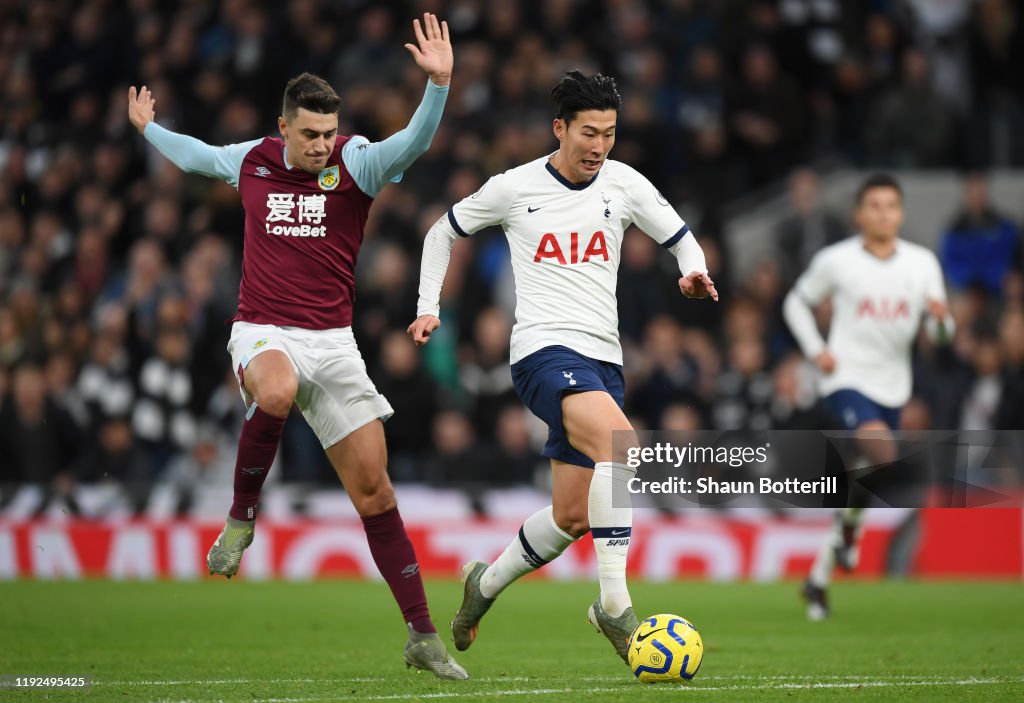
{"x":118,"y":273}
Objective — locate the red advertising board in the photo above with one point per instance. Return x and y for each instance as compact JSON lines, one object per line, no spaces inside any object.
{"x":978,"y":543}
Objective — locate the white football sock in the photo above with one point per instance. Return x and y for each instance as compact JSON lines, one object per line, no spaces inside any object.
{"x":611,"y":522}
{"x":824,"y":563}
{"x":539,"y":541}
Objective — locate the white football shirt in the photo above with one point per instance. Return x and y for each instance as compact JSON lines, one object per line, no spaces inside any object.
{"x":877,"y":307}
{"x":565,"y":240}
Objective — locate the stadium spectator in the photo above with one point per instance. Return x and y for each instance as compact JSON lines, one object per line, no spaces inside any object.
{"x":982,"y":245}
{"x":809,"y":228}
{"x":459,"y":460}
{"x":766,"y":116}
{"x":516,"y":460}
{"x":161,"y":414}
{"x":794,"y":401}
{"x":484,"y":374}
{"x":665,"y":373}
{"x":416,"y":398}
{"x":641,"y":286}
{"x":996,"y":49}
{"x":743,"y":398}
{"x":1010,"y":415}
{"x":911,"y":126}
{"x":39,"y":441}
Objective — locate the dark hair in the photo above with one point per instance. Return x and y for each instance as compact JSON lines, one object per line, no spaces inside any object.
{"x":575,"y":92}
{"x":309,"y":92}
{"x":878,"y":180}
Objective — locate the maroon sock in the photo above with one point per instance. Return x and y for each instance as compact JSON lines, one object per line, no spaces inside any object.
{"x":393,"y":553}
{"x":257,"y":447}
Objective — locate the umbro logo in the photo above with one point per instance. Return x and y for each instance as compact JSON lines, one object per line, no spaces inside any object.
{"x":262,"y":171}
{"x":411,"y":570}
{"x":532,"y":209}
{"x":255,"y":471}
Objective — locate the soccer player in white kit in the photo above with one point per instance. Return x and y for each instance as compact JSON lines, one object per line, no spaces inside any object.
{"x":881,"y":288}
{"x":564,"y":215}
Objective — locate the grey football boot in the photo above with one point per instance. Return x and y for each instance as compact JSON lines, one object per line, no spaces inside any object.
{"x":617,"y":630}
{"x":427,"y":652}
{"x":474,"y":605}
{"x":226,"y":553}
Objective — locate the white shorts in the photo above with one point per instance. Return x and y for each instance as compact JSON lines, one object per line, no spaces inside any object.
{"x":336,"y":396}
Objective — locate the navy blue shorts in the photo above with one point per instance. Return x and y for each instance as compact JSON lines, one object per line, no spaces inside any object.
{"x":852,"y":409}
{"x":541,"y":378}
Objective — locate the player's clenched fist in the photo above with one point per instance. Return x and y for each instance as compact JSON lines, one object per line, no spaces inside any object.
{"x":422,"y":327}
{"x":140,"y":108}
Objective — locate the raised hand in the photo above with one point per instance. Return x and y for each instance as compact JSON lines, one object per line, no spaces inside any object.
{"x":421,"y":328}
{"x":434,"y":53}
{"x":140,"y":108}
{"x":698,"y":285}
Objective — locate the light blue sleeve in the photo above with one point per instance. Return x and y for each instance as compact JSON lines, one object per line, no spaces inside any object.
{"x":194,"y":156}
{"x":373,"y":165}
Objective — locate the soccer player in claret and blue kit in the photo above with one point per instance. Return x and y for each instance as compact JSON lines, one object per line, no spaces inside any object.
{"x":306,"y":197}
{"x":881,"y":289}
{"x":564,"y":215}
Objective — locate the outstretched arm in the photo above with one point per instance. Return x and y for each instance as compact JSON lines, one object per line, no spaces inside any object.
{"x":800,"y":318}
{"x":373,"y":165}
{"x":187,"y":153}
{"x":437,"y":252}
{"x":695,"y":282}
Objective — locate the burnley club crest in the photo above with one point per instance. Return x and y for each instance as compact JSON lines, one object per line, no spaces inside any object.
{"x":329,"y":177}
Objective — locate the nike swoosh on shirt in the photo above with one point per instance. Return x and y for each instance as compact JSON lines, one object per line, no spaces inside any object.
{"x":532,"y":209}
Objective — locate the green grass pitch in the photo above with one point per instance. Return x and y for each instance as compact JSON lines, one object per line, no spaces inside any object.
{"x":340,"y":640}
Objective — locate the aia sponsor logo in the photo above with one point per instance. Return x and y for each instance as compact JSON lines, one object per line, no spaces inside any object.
{"x":883,"y":309}
{"x":550,"y":248}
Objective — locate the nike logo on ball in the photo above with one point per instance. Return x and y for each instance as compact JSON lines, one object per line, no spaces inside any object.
{"x":641,"y":638}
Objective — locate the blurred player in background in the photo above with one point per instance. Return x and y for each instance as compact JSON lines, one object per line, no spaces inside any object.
{"x":881,"y":288}
{"x":564,"y":215}
{"x":306,"y":198}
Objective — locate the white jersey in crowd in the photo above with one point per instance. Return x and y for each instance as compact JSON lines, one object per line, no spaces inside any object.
{"x":565,"y":241}
{"x":877,"y":308}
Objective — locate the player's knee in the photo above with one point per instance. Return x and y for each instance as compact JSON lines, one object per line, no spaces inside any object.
{"x":611,"y":444}
{"x":572,"y":520}
{"x":276,"y":398}
{"x":374,"y":497}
